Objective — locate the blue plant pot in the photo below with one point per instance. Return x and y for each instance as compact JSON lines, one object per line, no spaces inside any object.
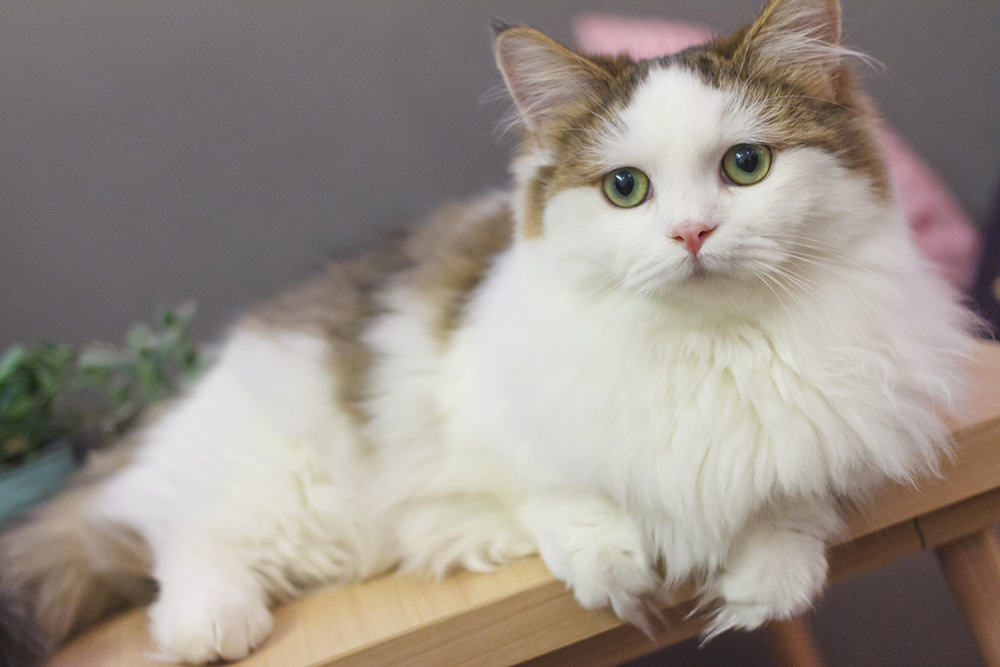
{"x":34,"y":481}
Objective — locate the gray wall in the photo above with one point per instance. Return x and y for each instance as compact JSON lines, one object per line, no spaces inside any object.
{"x":154,"y":151}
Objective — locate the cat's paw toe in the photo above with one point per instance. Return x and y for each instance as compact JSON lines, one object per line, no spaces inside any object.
{"x":645,"y":612}
{"x":506,"y":545}
{"x":736,"y":616}
{"x":777,"y":579}
{"x":613,"y":577}
{"x":198,"y":628}
{"x":614,"y":571}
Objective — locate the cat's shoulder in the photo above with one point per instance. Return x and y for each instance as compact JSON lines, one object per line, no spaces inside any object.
{"x":439,"y":259}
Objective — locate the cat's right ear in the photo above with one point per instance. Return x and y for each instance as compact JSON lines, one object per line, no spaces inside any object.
{"x":548,"y":83}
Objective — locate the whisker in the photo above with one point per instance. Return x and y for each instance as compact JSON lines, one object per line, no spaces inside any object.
{"x":767,"y":283}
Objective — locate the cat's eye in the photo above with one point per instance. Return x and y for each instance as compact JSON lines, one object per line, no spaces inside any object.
{"x":626,"y":187}
{"x":746,"y":164}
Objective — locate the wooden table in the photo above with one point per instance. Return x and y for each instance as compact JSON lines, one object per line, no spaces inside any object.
{"x":522,"y":614}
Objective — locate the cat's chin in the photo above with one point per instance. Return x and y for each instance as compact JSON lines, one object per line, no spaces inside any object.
{"x":699,"y":282}
{"x":698,"y":273}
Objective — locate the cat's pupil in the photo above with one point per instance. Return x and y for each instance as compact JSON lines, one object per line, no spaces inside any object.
{"x":624,"y":183}
{"x":747,"y":159}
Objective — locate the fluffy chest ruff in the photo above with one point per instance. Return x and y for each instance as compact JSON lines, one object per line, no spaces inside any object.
{"x":693,"y":421}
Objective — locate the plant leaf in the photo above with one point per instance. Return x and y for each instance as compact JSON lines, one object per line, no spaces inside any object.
{"x":10,"y":360}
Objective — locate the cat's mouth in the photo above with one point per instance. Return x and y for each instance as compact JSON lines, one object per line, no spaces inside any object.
{"x":690,"y":272}
{"x":698,"y":269}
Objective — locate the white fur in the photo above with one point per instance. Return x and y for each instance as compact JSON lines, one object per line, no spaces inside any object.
{"x":253,"y":478}
{"x":601,"y":400}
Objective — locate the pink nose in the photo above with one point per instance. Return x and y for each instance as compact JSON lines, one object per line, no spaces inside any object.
{"x":692,"y":235}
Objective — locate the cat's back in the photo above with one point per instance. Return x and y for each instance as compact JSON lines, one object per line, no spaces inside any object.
{"x":424,"y":274}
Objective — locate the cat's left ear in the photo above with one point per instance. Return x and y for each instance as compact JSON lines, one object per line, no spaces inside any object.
{"x":548,"y":83}
{"x":801,"y":40}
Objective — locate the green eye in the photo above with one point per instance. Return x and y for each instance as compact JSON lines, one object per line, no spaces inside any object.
{"x":626,"y":187}
{"x":746,"y":164}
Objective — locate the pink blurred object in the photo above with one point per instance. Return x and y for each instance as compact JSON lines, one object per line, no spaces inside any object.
{"x":640,"y":38}
{"x":942,"y":230}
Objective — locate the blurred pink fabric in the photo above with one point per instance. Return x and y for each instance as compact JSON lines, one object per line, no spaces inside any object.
{"x":944,"y":233}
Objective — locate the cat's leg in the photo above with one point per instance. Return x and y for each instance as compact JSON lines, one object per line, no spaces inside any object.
{"x":248,"y":481}
{"x":599,"y":551}
{"x":207,"y":611}
{"x":776,"y":568}
{"x":475,"y":532}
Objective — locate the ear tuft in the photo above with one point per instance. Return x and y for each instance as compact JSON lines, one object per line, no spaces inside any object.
{"x":800,"y":38}
{"x":498,"y":26}
{"x":817,"y":20}
{"x":547,"y":81}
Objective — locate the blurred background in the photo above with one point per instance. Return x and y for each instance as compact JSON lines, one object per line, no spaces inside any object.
{"x":153,"y":152}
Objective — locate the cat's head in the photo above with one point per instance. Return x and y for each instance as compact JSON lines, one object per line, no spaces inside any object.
{"x":745,"y":160}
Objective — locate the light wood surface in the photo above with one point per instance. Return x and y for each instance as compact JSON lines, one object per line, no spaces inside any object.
{"x":522,"y":614}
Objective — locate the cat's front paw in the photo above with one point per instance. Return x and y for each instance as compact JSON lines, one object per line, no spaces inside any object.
{"x":201,"y":621}
{"x":606,"y":564}
{"x":775,"y":576}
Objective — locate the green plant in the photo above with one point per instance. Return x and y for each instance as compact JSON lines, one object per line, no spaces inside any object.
{"x":30,"y":380}
{"x":49,"y":392}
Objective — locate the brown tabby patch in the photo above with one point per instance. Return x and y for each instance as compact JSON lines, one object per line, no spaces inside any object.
{"x":64,"y":571}
{"x":442,"y":259}
{"x":451,"y":252}
{"x":587,"y":93}
{"x":841,"y":123}
{"x":336,"y":305}
{"x":571,"y":145}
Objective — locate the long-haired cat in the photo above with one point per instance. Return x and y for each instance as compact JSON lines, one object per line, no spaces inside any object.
{"x":695,"y":323}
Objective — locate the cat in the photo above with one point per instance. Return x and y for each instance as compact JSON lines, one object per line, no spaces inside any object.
{"x":695,"y":326}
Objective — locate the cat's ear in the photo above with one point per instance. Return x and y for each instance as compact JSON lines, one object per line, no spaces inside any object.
{"x":801,"y":40}
{"x":548,"y":82}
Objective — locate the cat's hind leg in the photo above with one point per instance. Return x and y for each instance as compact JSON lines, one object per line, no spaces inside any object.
{"x":207,"y":611}
{"x":246,"y":492}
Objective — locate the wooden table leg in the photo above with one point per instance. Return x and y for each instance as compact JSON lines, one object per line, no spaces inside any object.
{"x":792,"y":644}
{"x":971,"y":565}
